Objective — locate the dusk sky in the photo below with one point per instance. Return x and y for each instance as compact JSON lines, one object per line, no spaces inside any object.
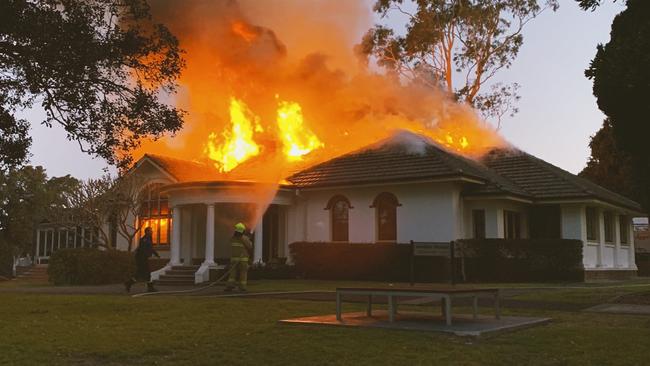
{"x":557,"y":111}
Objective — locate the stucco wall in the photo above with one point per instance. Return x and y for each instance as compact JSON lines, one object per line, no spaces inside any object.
{"x":493,"y":216}
{"x":428,"y":212}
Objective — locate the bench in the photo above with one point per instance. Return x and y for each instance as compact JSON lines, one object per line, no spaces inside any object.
{"x":445,"y":295}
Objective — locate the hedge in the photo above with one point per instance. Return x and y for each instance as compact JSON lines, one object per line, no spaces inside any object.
{"x":643,"y":263}
{"x":90,"y":266}
{"x":513,"y":260}
{"x":499,"y":260}
{"x":6,"y":260}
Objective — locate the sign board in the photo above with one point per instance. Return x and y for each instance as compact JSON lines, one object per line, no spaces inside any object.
{"x":431,"y":249}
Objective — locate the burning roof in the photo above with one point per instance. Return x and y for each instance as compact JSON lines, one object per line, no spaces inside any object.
{"x":412,"y":158}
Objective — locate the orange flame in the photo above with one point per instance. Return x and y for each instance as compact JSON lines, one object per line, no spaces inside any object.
{"x":298,"y":140}
{"x":238,"y":144}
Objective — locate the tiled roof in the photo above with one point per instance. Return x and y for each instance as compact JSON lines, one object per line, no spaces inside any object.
{"x":185,"y":170}
{"x":388,"y":163}
{"x":544,"y":181}
{"x":500,"y":172}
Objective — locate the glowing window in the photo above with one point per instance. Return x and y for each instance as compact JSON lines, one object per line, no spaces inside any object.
{"x":154,"y":213}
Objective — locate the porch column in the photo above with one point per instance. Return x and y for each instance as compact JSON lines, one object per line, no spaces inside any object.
{"x":259,"y":232}
{"x":601,"y":237}
{"x":617,"y":241}
{"x":175,"y":249}
{"x":632,"y":257}
{"x":209,"y":235}
{"x":38,"y":246}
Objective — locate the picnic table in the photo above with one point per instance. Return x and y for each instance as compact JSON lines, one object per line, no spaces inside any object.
{"x":446,"y":295}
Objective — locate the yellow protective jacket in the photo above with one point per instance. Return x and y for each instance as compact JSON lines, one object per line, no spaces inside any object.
{"x":240,"y":246}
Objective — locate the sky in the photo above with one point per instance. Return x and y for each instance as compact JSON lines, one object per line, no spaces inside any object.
{"x":557,"y":111}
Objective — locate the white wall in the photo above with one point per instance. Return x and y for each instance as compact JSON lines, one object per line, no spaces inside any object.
{"x":597,"y":254}
{"x":428,"y":212}
{"x":493,"y":216}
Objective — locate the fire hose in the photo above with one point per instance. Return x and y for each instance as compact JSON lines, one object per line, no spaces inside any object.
{"x":218,"y":281}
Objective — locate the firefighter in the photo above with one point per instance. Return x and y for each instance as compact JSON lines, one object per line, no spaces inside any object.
{"x":142,"y":253}
{"x":241,"y":248}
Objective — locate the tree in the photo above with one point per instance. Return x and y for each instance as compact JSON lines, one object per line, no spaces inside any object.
{"x":14,"y":141}
{"x":609,"y":166}
{"x":589,"y":4}
{"x":127,"y":204}
{"x":27,"y":198}
{"x":621,"y":80}
{"x":105,"y":205}
{"x":97,"y":67}
{"x":89,"y":206}
{"x":457,"y":44}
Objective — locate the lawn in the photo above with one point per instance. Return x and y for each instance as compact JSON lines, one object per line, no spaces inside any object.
{"x":117,"y":329}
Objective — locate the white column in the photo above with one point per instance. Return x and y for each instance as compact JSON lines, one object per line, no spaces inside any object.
{"x":258,"y":246}
{"x":38,"y":246}
{"x":209,"y":235}
{"x":617,"y":240}
{"x":601,"y":237}
{"x":175,"y":249}
{"x":630,"y":235}
{"x":83,"y":237}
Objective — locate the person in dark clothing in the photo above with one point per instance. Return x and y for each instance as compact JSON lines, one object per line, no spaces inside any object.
{"x":144,"y":251}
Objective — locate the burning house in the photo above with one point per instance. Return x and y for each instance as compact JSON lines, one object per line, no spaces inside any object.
{"x":291,"y":133}
{"x":405,"y":188}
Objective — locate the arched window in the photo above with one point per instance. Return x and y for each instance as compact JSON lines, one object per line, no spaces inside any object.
{"x":339,"y":207}
{"x":154,"y":212}
{"x":385,"y":205}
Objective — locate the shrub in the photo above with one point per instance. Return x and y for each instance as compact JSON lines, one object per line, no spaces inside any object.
{"x":485,"y":260}
{"x":6,"y":260}
{"x":512,"y":260}
{"x":90,"y":266}
{"x":357,"y":261}
{"x":643,"y":263}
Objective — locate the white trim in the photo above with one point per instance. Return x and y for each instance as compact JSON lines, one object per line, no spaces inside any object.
{"x":391,"y":183}
{"x":144,"y":158}
{"x":498,"y":197}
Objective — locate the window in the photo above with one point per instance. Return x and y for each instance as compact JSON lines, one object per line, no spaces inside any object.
{"x":339,"y":207}
{"x":511,"y":224}
{"x":608,"y":220}
{"x":154,"y":212}
{"x":385,"y":205}
{"x":624,"y":229}
{"x":592,"y":224}
{"x":478,"y":223}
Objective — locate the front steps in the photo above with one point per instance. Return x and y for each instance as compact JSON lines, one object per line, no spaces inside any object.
{"x":33,"y":273}
{"x":178,"y":276}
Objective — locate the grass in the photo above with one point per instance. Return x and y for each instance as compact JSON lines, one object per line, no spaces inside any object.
{"x":117,"y":330}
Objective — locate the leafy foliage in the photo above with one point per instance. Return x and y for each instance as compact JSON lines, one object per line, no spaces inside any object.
{"x":87,"y":266}
{"x":14,"y":140}
{"x":27,"y":197}
{"x":97,"y":67}
{"x":621,"y":85}
{"x":484,"y":260}
{"x":457,"y":44}
{"x":609,"y":166}
{"x":512,"y":260}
